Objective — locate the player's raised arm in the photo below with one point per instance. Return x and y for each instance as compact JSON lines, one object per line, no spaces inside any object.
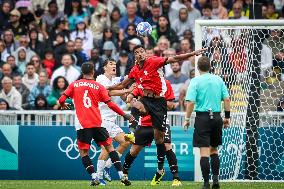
{"x":66,"y":94}
{"x":127,"y":81}
{"x":184,"y":56}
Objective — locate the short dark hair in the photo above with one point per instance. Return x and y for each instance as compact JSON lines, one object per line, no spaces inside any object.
{"x":107,"y":61}
{"x":203,"y":64}
{"x":30,"y":64}
{"x":207,"y":6}
{"x":137,"y":47}
{"x":87,"y":68}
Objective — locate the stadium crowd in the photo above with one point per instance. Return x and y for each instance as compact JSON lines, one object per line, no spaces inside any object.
{"x":43,"y":43}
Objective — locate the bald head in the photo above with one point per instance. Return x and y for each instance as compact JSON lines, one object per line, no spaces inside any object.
{"x":7,"y":70}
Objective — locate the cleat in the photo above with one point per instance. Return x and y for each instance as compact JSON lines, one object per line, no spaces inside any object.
{"x":95,"y":182}
{"x":107,"y":174}
{"x":157,"y":178}
{"x":129,"y":137}
{"x":102,"y":182}
{"x":215,"y":186}
{"x":207,"y":186}
{"x":125,"y":180}
{"x":176,"y":182}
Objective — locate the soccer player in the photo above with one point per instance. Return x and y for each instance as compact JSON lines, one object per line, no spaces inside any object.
{"x":148,"y":74}
{"x":206,"y":92}
{"x":108,"y":119}
{"x":144,"y":136}
{"x":87,"y":94}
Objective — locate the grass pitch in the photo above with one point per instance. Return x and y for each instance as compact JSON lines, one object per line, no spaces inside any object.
{"x":74,"y":184}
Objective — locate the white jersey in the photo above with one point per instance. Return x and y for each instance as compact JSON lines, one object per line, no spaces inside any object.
{"x":106,"y":112}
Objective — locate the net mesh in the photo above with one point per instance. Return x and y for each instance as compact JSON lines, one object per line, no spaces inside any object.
{"x":251,"y":62}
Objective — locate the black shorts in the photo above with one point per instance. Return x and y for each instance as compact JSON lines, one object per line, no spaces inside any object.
{"x":157,"y":108}
{"x":145,"y":135}
{"x":207,"y":132}
{"x":99,"y":134}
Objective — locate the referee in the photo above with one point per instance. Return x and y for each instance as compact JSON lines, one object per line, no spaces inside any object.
{"x":206,"y":92}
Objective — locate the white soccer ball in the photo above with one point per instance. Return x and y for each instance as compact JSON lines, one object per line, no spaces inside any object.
{"x":144,"y":29}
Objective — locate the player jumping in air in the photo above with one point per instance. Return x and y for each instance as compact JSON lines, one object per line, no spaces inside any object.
{"x":87,"y":94}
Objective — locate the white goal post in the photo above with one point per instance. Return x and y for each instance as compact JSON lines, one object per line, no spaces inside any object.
{"x":247,"y":55}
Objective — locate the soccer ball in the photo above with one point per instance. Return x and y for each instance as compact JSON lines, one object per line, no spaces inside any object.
{"x":144,"y":29}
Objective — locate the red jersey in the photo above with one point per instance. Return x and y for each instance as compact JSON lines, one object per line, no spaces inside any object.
{"x":86,"y":95}
{"x":151,"y":75}
{"x":169,"y":95}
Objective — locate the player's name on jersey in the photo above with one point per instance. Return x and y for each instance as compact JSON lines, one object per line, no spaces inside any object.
{"x":86,"y":84}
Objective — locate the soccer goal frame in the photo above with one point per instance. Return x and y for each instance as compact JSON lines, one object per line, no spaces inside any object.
{"x":252,"y":120}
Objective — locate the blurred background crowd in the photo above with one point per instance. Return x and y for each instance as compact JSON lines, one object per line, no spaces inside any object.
{"x":44,"y":42}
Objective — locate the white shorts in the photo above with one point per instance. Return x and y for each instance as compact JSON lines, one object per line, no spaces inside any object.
{"x":112,"y":128}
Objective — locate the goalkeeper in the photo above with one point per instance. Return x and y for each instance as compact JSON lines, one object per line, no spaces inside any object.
{"x":206,"y":92}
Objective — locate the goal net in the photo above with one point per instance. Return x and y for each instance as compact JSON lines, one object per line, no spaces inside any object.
{"x":249,"y":56}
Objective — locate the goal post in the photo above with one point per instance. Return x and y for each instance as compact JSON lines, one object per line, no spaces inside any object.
{"x":245,"y":54}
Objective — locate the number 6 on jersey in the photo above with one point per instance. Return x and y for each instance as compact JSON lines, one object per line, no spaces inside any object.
{"x":87,"y":100}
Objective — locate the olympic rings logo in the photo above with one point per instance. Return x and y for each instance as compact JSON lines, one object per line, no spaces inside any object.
{"x":70,"y":148}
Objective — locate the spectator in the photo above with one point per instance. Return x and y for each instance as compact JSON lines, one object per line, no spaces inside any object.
{"x":131,"y":34}
{"x":4,"y":15}
{"x":162,"y":45}
{"x":131,"y":17}
{"x":67,"y":70}
{"x":30,"y":78}
{"x":60,"y":26}
{"x":237,"y":12}
{"x":37,"y":62}
{"x":177,"y":79}
{"x":182,"y":23}
{"x":100,"y":20}
{"x":264,"y":11}
{"x":15,"y":25}
{"x":183,"y":91}
{"x":41,"y":88}
{"x":10,"y":94}
{"x":164,"y":29}
{"x":168,"y":11}
{"x":271,"y":13}
{"x":108,"y":35}
{"x":50,"y":17}
{"x":84,"y":33}
{"x":8,"y":37}
{"x":218,"y":10}
{"x":133,"y":43}
{"x":266,"y":60}
{"x":60,"y":48}
{"x":3,"y":53}
{"x":26,"y":16}
{"x":6,"y":72}
{"x":97,"y":61}
{"x":187,"y":34}
{"x":207,"y":13}
{"x":280,"y":105}
{"x":12,"y":62}
{"x":124,"y":64}
{"x":143,"y":9}
{"x":170,"y":52}
{"x":22,"y":89}
{"x":115,"y":17}
{"x":193,"y":13}
{"x":176,"y":5}
{"x":21,"y":59}
{"x":148,"y":41}
{"x":24,"y":42}
{"x":189,"y":64}
{"x":71,"y":49}
{"x":80,"y":51}
{"x":88,"y":8}
{"x":35,"y":44}
{"x":109,"y":51}
{"x":49,"y":62}
{"x":60,"y":84}
{"x":76,"y":12}
{"x":155,"y":13}
{"x":40,"y":103}
{"x":4,"y":105}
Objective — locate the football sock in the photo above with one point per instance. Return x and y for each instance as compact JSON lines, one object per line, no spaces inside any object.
{"x":100,"y":168}
{"x":128,"y":162}
{"x":135,"y":112}
{"x":88,"y":164}
{"x":109,"y":163}
{"x":172,"y":160}
{"x":161,"y":151}
{"x":215,"y":166}
{"x":116,"y":162}
{"x":205,"y":169}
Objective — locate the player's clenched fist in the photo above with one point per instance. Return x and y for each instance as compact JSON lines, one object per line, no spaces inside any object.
{"x":129,"y":117}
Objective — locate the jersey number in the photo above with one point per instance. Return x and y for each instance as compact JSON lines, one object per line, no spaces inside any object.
{"x":87,"y":100}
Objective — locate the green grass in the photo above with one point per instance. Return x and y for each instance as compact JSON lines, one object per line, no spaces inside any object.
{"x":74,"y":184}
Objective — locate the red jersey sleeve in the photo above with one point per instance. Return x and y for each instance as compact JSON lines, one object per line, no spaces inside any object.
{"x":158,"y":61}
{"x":137,"y":92}
{"x":104,"y":97}
{"x":169,"y":93}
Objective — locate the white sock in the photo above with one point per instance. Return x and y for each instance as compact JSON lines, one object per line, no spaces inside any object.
{"x":109,"y":163}
{"x":100,"y":168}
{"x":94,"y":175}
{"x":120,"y":173}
